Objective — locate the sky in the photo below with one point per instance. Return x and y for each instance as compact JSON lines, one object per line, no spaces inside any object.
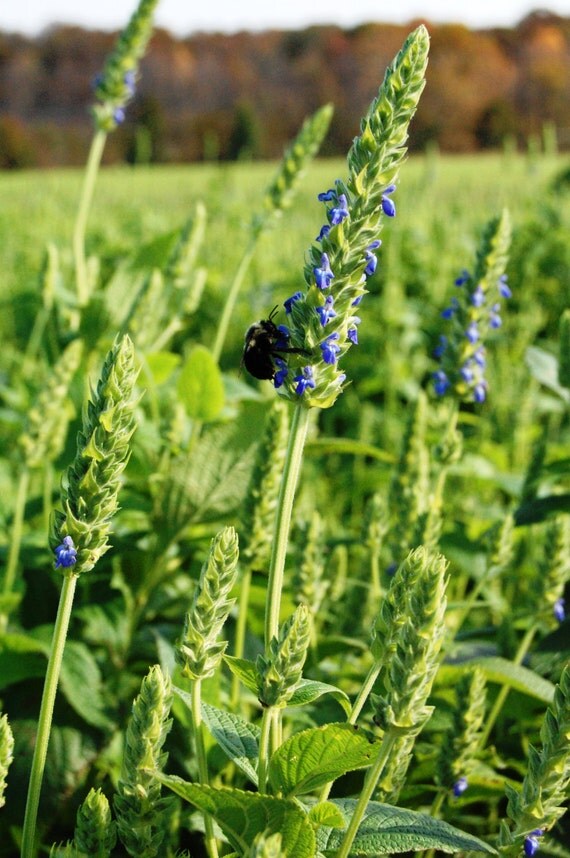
{"x":183,"y":17}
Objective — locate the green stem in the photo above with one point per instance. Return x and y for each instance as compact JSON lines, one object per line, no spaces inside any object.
{"x":361,"y":699}
{"x":370,"y":783}
{"x":231,"y":299}
{"x":197,"y":730}
{"x":504,"y":692}
{"x":46,"y":713}
{"x":93,"y":162}
{"x":15,"y":541}
{"x":47,"y":494}
{"x":264,"y":741}
{"x":241,"y":628}
{"x":291,"y":469}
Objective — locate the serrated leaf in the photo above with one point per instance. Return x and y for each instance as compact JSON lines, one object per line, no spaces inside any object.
{"x":326,"y":813}
{"x":245,"y":671}
{"x":243,"y":815}
{"x":309,"y":690}
{"x":386,"y":829}
{"x":237,"y":738}
{"x":312,"y":758}
{"x":504,"y":672}
{"x":200,"y":386}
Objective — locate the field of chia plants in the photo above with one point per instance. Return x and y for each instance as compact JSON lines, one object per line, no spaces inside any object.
{"x":285,"y":498}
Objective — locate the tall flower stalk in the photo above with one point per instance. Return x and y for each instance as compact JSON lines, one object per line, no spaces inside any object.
{"x":81,"y":528}
{"x":114,"y":87}
{"x":322,"y":321}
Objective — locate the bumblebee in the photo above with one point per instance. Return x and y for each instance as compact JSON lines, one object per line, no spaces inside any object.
{"x":263,"y":343}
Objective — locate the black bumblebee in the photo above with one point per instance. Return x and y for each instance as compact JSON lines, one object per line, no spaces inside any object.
{"x":263,"y":343}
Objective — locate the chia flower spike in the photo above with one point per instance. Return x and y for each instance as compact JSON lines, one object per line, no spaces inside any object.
{"x":115,"y":86}
{"x":343,"y":254}
{"x":80,"y":530}
{"x":471,"y":315}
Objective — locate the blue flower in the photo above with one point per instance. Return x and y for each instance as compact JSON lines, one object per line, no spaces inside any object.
{"x":531,"y":844}
{"x":326,"y":312}
{"x":304,"y":380}
{"x":281,"y":373}
{"x":119,"y":115}
{"x":472,"y":332}
{"x":449,"y":312}
{"x":323,"y":274}
{"x":66,"y":553}
{"x":479,"y":357}
{"x":463,"y":278}
{"x":441,"y":382}
{"x":559,"y":610}
{"x":330,"y":349}
{"x":504,"y":289}
{"x":327,"y":196}
{"x":288,"y":304}
{"x":478,"y":297}
{"x":352,"y":332}
{"x":480,"y":392}
{"x":441,"y":347}
{"x":495,"y":320}
{"x":460,"y":786}
{"x":388,"y":206}
{"x":339,"y":212}
{"x":130,"y":80}
{"x":325,"y":229}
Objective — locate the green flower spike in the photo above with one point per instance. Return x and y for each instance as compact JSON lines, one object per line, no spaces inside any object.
{"x":199,"y":651}
{"x":115,"y":85}
{"x":93,"y":480}
{"x":462,"y":742}
{"x":142,"y":815}
{"x":95,"y":832}
{"x":538,"y":805}
{"x":280,"y":671}
{"x":6,"y":754}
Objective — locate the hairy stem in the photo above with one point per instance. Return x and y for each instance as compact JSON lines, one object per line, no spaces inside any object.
{"x":46,"y":713}
{"x":93,"y":162}
{"x":291,"y":469}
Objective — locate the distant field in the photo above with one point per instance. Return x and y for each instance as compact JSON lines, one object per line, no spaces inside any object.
{"x":447,"y":196}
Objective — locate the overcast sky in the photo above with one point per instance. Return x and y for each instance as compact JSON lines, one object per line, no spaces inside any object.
{"x":186,"y":16}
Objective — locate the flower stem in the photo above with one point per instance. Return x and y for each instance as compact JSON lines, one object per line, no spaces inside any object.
{"x":361,"y":699}
{"x":241,"y":627}
{"x":231,"y":299}
{"x":291,"y":469}
{"x":15,"y":541}
{"x":264,"y":742}
{"x":372,"y":778}
{"x":196,"y":714}
{"x":504,"y":692}
{"x":46,"y":713}
{"x":93,"y":162}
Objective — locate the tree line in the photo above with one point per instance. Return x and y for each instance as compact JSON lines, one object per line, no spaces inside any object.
{"x":212,"y":96}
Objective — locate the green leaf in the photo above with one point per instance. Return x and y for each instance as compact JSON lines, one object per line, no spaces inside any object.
{"x":245,"y":671}
{"x":237,"y":738}
{"x":386,"y":829}
{"x":538,"y":509}
{"x":243,"y":815}
{"x":506,"y":673}
{"x":81,"y":682}
{"x":544,"y":367}
{"x":200,"y":386}
{"x":326,"y":813}
{"x":160,"y":366}
{"x":309,"y":690}
{"x":312,"y":758}
{"x":21,"y":657}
